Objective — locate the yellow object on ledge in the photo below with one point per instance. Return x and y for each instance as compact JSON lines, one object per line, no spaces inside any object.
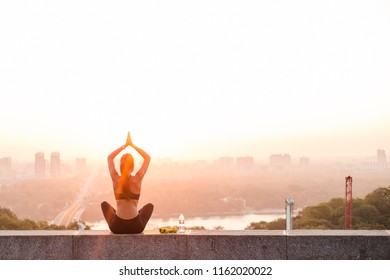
{"x":168,"y":230}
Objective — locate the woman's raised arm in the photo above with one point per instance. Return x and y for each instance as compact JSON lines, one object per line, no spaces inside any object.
{"x":141,"y":172}
{"x":110,"y":160}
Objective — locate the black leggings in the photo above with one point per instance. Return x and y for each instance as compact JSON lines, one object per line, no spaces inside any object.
{"x":134,"y":225}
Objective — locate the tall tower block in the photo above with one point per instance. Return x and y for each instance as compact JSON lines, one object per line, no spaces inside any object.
{"x":348,"y":203}
{"x":40,"y":165}
{"x":55,"y":165}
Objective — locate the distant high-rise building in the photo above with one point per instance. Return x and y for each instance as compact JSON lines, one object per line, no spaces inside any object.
{"x":279,"y":161}
{"x":304,"y":162}
{"x":5,"y":163}
{"x":245,"y":163}
{"x":226,"y":162}
{"x":55,"y":165}
{"x":381,"y":159}
{"x":40,"y":165}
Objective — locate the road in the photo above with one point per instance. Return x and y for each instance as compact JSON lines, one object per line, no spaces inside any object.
{"x":65,"y":217}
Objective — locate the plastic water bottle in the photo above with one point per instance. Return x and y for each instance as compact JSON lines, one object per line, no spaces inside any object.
{"x":182,"y":227}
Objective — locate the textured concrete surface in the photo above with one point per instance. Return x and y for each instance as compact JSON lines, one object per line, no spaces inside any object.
{"x":236,"y":245}
{"x":196,"y":245}
{"x":338,"y":245}
{"x":36,"y":245}
{"x":107,"y":246}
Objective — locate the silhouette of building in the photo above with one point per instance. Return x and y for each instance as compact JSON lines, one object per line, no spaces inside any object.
{"x":381,"y":159}
{"x":304,"y":162}
{"x":279,"y":161}
{"x":226,"y":163}
{"x":55,"y":165}
{"x":40,"y":165}
{"x":245,"y":163}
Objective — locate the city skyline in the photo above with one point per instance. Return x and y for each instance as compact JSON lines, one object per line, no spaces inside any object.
{"x":379,"y":153}
{"x":44,"y":166}
{"x":219,"y":78}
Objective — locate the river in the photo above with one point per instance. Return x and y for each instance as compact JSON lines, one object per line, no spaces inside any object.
{"x":228,"y":222}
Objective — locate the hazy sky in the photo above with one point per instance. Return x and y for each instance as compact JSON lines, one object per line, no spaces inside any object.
{"x":195,"y":79}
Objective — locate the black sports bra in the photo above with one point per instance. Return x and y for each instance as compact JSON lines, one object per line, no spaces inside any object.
{"x":124,"y":192}
{"x":126,"y":196}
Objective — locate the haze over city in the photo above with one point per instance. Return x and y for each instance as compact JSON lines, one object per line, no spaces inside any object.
{"x":195,"y":80}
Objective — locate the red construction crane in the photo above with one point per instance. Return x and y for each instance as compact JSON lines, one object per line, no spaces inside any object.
{"x":348,"y":203}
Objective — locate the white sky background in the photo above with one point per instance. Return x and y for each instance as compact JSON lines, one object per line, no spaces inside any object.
{"x":195,"y":79}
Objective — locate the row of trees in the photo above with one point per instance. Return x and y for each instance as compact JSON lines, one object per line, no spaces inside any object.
{"x":372,"y":212}
{"x":9,"y":221}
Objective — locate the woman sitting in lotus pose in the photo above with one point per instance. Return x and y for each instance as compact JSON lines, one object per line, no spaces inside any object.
{"x":127,"y":190}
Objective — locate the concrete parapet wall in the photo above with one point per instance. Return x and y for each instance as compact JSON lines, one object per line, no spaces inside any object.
{"x":195,"y":245}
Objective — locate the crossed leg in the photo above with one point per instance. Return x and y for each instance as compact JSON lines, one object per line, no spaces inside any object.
{"x":108,"y":212}
{"x":145,"y":213}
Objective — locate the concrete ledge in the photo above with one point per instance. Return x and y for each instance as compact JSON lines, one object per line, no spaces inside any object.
{"x":195,"y":245}
{"x":36,"y":245}
{"x":338,"y":244}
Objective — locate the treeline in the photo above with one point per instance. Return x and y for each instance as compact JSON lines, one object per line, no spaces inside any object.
{"x":9,"y":221}
{"x":372,"y":212}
